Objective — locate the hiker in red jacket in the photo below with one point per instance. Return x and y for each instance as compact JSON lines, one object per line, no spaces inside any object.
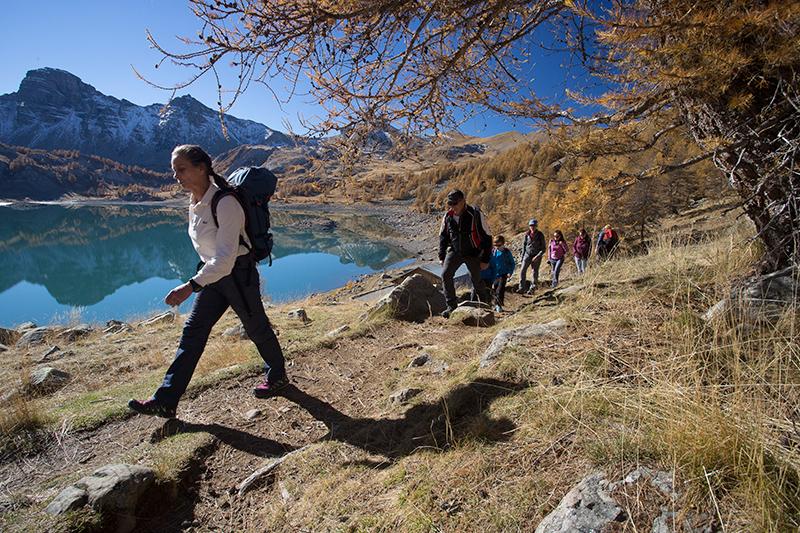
{"x":581,"y":249}
{"x":556,"y":252}
{"x":607,"y":242}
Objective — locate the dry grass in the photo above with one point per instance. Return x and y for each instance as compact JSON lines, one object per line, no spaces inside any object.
{"x":637,"y":379}
{"x":22,"y":427}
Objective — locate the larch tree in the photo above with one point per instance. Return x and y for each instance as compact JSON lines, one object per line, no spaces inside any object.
{"x":728,"y":70}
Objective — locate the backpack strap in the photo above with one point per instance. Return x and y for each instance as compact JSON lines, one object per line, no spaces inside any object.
{"x":219,"y":195}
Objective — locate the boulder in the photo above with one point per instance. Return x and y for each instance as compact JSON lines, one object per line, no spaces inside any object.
{"x":33,"y":337}
{"x":414,"y":300}
{"x":765,"y":297}
{"x":592,"y":505}
{"x":301,"y":315}
{"x":113,"y":491}
{"x":9,"y":336}
{"x":758,"y":299}
{"x":47,"y":379}
{"x":236,"y":331}
{"x":588,"y":507}
{"x":509,"y":337}
{"x":473,"y":316}
{"x":403,"y":396}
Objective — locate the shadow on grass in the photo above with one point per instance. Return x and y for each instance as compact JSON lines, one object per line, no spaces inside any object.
{"x":436,"y":426}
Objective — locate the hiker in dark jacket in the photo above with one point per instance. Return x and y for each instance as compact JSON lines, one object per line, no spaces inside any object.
{"x":502,"y":266}
{"x":556,"y":252}
{"x":463,"y":239}
{"x":581,"y":248}
{"x":607,"y":242}
{"x":226,"y":277}
{"x":533,"y":249}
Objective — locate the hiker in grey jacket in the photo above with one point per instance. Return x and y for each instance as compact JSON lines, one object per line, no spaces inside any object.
{"x":533,"y":249}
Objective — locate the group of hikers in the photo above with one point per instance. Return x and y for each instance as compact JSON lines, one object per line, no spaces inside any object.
{"x":227,"y":275}
{"x":464,"y":239}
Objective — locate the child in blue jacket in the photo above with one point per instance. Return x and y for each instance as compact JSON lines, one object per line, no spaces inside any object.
{"x":502,"y":266}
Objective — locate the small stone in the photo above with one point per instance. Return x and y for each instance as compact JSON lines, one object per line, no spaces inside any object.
{"x":510,"y":337}
{"x":385,"y":276}
{"x":235,"y":331}
{"x":570,"y":291}
{"x":164,"y":318}
{"x":403,"y":396}
{"x":53,"y":350}
{"x":473,"y":316}
{"x":338,"y":331}
{"x":25,"y":326}
{"x":716,"y":311}
{"x":73,"y":334}
{"x":420,"y":360}
{"x":252,"y":414}
{"x":300,"y":314}
{"x":440,"y":368}
{"x":3,"y":348}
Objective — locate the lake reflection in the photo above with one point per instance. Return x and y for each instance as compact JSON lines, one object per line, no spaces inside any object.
{"x":119,"y":262}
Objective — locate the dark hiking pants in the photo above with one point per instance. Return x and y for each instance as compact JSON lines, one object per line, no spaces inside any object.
{"x":499,"y":288}
{"x":240,"y":291}
{"x":534,"y":264}
{"x":451,"y":263}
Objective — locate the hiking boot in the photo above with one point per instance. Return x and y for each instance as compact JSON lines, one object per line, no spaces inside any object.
{"x":446,"y":313}
{"x":268,"y":389}
{"x":152,"y":407}
{"x":498,"y":308}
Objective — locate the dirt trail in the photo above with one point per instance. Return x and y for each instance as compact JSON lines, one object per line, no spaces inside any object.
{"x":339,"y":393}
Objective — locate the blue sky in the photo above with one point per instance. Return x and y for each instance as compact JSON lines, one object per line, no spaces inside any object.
{"x":99,"y":41}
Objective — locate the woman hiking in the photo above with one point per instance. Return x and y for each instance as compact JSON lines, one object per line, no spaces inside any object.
{"x":556,"y":251}
{"x":581,"y":249}
{"x":226,"y":277}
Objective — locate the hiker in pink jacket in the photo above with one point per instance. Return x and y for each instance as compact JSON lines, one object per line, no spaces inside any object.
{"x":581,"y":249}
{"x":556,"y":252}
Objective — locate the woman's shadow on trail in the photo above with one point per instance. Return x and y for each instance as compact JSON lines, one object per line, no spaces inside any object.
{"x":462,"y":413}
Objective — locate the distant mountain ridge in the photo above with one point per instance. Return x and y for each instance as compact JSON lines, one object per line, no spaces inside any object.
{"x":54,"y":109}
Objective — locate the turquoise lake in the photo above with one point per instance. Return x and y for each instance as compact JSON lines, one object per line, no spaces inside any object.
{"x":92,"y":264}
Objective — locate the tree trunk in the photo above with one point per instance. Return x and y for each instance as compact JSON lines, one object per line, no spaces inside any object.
{"x":762,"y":167}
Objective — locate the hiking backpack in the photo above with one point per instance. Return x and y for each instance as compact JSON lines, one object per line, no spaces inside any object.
{"x":252,"y":187}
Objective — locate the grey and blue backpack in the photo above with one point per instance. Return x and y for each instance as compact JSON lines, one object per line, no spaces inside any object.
{"x":252,"y":187}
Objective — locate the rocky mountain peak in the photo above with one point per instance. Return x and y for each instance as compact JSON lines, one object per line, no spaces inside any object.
{"x":53,"y":87}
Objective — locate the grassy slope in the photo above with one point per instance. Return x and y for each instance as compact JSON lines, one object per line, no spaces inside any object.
{"x":636,"y":379}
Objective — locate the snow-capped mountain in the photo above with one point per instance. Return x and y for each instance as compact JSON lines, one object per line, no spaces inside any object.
{"x":54,"y":109}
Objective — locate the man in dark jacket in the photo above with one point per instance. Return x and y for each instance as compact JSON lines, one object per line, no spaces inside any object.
{"x":533,"y":248}
{"x":463,"y":239}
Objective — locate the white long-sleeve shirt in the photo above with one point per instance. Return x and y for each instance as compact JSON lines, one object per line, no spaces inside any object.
{"x":219,"y":247}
